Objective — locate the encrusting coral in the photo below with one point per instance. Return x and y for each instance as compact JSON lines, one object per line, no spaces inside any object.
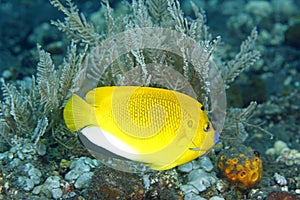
{"x":241,"y":166}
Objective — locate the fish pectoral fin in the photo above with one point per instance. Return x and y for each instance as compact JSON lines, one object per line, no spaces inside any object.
{"x":78,"y":114}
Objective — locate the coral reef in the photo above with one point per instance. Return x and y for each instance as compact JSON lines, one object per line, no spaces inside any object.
{"x":35,"y":144}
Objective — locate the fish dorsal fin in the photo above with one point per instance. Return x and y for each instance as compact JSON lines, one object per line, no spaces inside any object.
{"x":100,"y":94}
{"x":95,"y":96}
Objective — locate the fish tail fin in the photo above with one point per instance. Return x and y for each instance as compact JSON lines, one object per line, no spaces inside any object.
{"x":78,"y":114}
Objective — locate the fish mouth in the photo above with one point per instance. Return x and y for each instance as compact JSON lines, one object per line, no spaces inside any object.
{"x":216,"y":137}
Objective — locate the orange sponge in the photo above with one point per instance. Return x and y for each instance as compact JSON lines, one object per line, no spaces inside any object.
{"x":241,"y":166}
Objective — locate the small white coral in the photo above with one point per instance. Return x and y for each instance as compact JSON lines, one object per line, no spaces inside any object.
{"x":277,"y":149}
{"x":289,"y":157}
{"x":279,"y":146}
{"x":280,"y":180}
{"x":285,"y":155}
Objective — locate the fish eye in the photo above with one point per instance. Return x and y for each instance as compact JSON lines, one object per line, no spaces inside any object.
{"x":206,"y":127}
{"x":202,"y":108}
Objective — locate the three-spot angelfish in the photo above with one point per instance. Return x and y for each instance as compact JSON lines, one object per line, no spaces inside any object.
{"x":158,"y":127}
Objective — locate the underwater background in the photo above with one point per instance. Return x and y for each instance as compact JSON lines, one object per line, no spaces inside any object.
{"x":39,"y":158}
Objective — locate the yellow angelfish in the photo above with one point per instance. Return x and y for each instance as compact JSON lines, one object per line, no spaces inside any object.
{"x":159,"y":127}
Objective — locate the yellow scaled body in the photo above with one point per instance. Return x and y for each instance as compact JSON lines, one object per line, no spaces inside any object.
{"x":159,"y":127}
